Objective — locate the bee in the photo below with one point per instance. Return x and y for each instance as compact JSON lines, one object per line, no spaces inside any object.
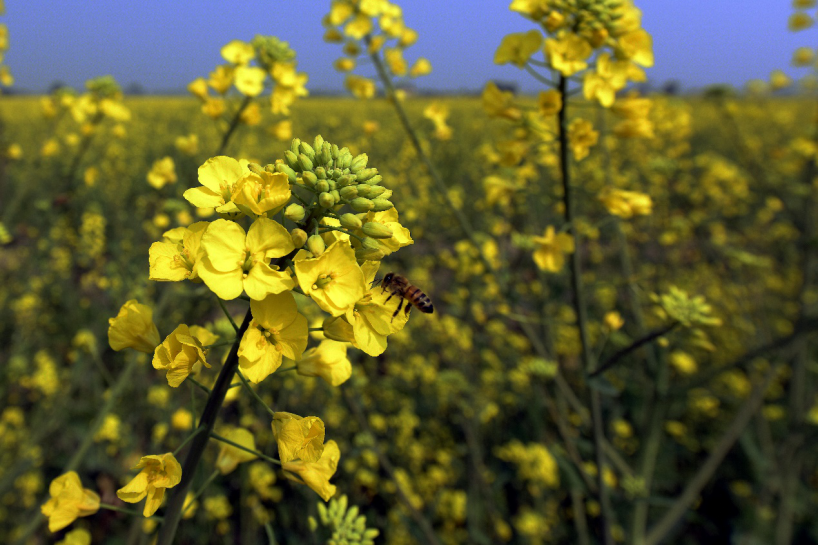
{"x":400,"y":286}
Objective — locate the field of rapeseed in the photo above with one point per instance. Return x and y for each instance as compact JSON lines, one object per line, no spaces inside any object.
{"x":200,"y":343}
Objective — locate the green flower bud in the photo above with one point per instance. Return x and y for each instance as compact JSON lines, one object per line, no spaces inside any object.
{"x":335,"y":195}
{"x":299,"y":237}
{"x":326,"y":200}
{"x":387,"y":194}
{"x":344,"y":180}
{"x":255,"y":168}
{"x":376,"y":191}
{"x":337,"y":174}
{"x":315,"y":244}
{"x":292,"y":160}
{"x":362,"y":204}
{"x":295,"y":212}
{"x":294,"y":146}
{"x":321,"y":185}
{"x":333,"y":185}
{"x":358,"y":163}
{"x":309,"y":178}
{"x":381,"y":204}
{"x":371,"y":534}
{"x":321,"y":173}
{"x":370,"y":243}
{"x":377,"y":179}
{"x":307,"y":150}
{"x":366,"y":254}
{"x":270,"y":167}
{"x":376,"y":230}
{"x":348,"y":193}
{"x":313,"y":525}
{"x":305,"y":162}
{"x":344,"y":159}
{"x":334,"y":150}
{"x":363,"y":190}
{"x":366,"y":174}
{"x":291,"y":176}
{"x":350,"y":221}
{"x":318,"y":143}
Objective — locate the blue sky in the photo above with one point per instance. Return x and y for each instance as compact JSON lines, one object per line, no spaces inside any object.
{"x":164,"y":44}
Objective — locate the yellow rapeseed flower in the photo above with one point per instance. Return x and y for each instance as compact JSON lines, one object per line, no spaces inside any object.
{"x":221,"y":79}
{"x":328,"y":361}
{"x":362,"y":88}
{"x":238,"y":52}
{"x":77,"y":537}
{"x":799,"y":21}
{"x":158,"y":472}
{"x":394,"y":59}
{"x":234,"y":260}
{"x":249,"y":80}
{"x":517,"y":48}
{"x":217,"y":176}
{"x":626,"y":204}
{"x":316,"y":475}
{"x":550,"y":254}
{"x":499,"y":103}
{"x":421,"y":67}
{"x":230,"y":456}
{"x":298,"y":437}
{"x":68,"y":501}
{"x":178,"y":354}
{"x":133,"y":327}
{"x":803,"y":56}
{"x":636,"y":46}
{"x":178,"y":259}
{"x":568,"y":53}
{"x":277,"y":330}
{"x":550,"y":102}
{"x":582,"y":136}
{"x":333,"y":280}
{"x":260,"y":194}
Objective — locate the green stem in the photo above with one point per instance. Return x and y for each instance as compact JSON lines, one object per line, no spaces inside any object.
{"x":187,"y":440}
{"x":228,"y":315}
{"x":326,"y":229}
{"x":201,"y":491}
{"x":580,"y":310}
{"x":126,"y":511}
{"x":234,"y":123}
{"x":221,"y":344}
{"x":291,"y":368}
{"x":258,"y":454}
{"x":205,"y":389}
{"x":253,"y":393}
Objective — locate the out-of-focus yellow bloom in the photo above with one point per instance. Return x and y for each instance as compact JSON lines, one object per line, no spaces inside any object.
{"x":214,"y":108}
{"x":333,"y":280}
{"x":582,"y":136}
{"x":634,"y":128}
{"x":358,"y":27}
{"x":221,"y":79}
{"x":803,"y":56}
{"x":14,"y":151}
{"x":283,"y":130}
{"x":238,"y":52}
{"x":803,"y":4}
{"x":328,"y":361}
{"x":799,"y":21}
{"x":177,"y":259}
{"x":603,"y":83}
{"x":568,"y":53}
{"x":518,"y":48}
{"x":397,"y":64}
{"x":298,"y":437}
{"x":277,"y":330}
{"x":50,"y":147}
{"x":68,"y":502}
{"x":362,"y":88}
{"x":499,"y":103}
{"x":217,"y":177}
{"x":421,"y":67}
{"x":249,"y":80}
{"x":626,"y":204}
{"x":550,"y":102}
{"x":178,"y":354}
{"x":234,"y":260}
{"x":251,"y":115}
{"x":162,"y":173}
{"x":613,"y":320}
{"x":230,"y":456}
{"x":182,"y":419}
{"x":779,"y":80}
{"x":550,"y":254}
{"x":158,"y":472}
{"x":408,"y":38}
{"x":344,"y":64}
{"x":683,"y":362}
{"x":198,"y":87}
{"x":262,"y":193}
{"x":133,"y":327}
{"x":438,"y":114}
{"x":78,"y":537}
{"x":188,"y":145}
{"x":636,"y":46}
{"x":316,"y":475}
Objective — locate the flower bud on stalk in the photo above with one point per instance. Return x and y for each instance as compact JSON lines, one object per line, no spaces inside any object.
{"x":376,"y":230}
{"x":326,"y":200}
{"x":348,"y":193}
{"x":291,"y":175}
{"x":362,"y":204}
{"x":316,"y":245}
{"x":305,"y":162}
{"x":299,"y":237}
{"x":295,"y":212}
{"x":380,"y":205}
{"x":350,"y":221}
{"x":309,"y":178}
{"x":321,"y":185}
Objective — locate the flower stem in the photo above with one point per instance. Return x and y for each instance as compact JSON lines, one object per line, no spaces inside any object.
{"x":253,"y":393}
{"x":258,"y":454}
{"x":228,"y":315}
{"x":205,"y":389}
{"x":201,"y":491}
{"x":187,"y":440}
{"x":234,"y":123}
{"x":126,"y":511}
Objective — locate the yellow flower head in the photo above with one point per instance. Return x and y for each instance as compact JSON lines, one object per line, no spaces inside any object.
{"x":316,"y":475}
{"x":499,"y":104}
{"x":277,"y":330}
{"x":333,"y":280}
{"x":550,"y":102}
{"x":568,"y":53}
{"x":133,"y":327}
{"x":68,"y":502}
{"x":178,"y":260}
{"x":582,"y":136}
{"x":198,"y":87}
{"x":518,"y":47}
{"x":158,"y":472}
{"x":328,"y":361}
{"x":626,"y":204}
{"x":603,"y":84}
{"x":213,"y":108}
{"x":234,"y":260}
{"x":259,"y":194}
{"x":613,"y":320}
{"x":636,"y":46}
{"x":803,"y":56}
{"x":178,"y":354}
{"x":779,"y":80}
{"x":76,"y":537}
{"x":221,"y":79}
{"x":230,"y":456}
{"x":218,"y":176}
{"x":249,"y":80}
{"x":800,"y":21}
{"x":162,"y":173}
{"x":421,"y":67}
{"x":550,"y":254}
{"x":362,"y":88}
{"x":389,"y":220}
{"x":298,"y":437}
{"x":397,"y":64}
{"x":238,"y":52}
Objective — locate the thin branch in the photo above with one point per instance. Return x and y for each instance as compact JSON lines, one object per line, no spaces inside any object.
{"x":622,"y":353}
{"x":258,"y":454}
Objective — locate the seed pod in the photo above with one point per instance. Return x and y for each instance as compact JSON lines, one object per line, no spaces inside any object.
{"x":294,"y":212}
{"x":316,"y":245}
{"x":381,"y":204}
{"x":291,"y":176}
{"x":299,"y":237}
{"x":348,"y":193}
{"x":377,"y":231}
{"x":326,"y":200}
{"x":309,"y":178}
{"x":305,"y":162}
{"x":362,"y":204}
{"x":350,"y":221}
